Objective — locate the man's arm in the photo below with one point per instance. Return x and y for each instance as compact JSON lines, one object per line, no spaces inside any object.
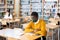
{"x":28,"y":28}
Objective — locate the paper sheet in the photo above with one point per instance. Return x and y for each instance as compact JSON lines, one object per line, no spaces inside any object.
{"x":14,"y":33}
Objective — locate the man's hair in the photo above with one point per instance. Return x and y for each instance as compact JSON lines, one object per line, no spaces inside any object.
{"x":8,"y":10}
{"x":34,"y":14}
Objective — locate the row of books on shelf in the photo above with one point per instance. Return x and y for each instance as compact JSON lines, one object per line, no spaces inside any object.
{"x":32,"y":0}
{"x":9,"y":2}
{"x":31,"y":6}
{"x":25,"y":0}
{"x":25,"y":3}
{"x":50,"y":0}
{"x":31,"y":10}
{"x":37,"y":8}
{"x":27,"y":8}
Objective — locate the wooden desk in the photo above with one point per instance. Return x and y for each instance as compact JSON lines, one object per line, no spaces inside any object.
{"x":29,"y":37}
{"x":52,"y":20}
{"x":52,"y":27}
{"x":23,"y":37}
{"x":4,"y":21}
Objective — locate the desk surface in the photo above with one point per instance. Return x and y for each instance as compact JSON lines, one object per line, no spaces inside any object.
{"x":24,"y":37}
{"x":8,"y":33}
{"x":51,"y":26}
{"x":29,"y":37}
{"x":3,"y":21}
{"x":52,"y":19}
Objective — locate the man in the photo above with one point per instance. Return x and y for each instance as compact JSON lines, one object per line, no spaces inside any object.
{"x":36,"y":26}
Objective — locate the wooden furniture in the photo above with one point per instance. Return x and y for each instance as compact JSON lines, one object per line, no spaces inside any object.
{"x":5,"y":21}
{"x":26,"y":36}
{"x":51,"y":28}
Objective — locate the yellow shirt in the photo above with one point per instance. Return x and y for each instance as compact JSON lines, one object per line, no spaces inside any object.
{"x":40,"y":27}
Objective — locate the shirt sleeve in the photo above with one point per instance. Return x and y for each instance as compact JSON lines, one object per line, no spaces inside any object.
{"x":28,"y":28}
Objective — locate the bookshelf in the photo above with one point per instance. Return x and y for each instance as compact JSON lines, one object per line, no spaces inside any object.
{"x":10,"y":5}
{"x":6,"y":4}
{"x":58,"y":6}
{"x":49,"y":7}
{"x":43,"y":7}
{"x":26,"y":7}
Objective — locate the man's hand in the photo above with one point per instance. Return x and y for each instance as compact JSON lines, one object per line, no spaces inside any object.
{"x":37,"y":30}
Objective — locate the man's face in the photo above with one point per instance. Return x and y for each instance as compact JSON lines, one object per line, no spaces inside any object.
{"x":34,"y":18}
